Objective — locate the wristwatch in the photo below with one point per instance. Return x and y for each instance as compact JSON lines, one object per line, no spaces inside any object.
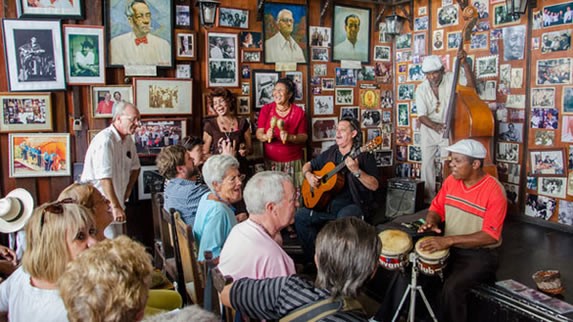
{"x":357,"y":173}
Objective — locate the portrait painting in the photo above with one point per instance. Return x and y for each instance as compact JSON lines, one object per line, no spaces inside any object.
{"x":351,"y":33}
{"x":285,"y":33}
{"x":324,"y":128}
{"x":34,"y":58}
{"x":84,"y":54}
{"x":222,"y":60}
{"x":154,"y":134}
{"x":139,"y":33}
{"x":39,"y":155}
{"x":57,"y":9}
{"x":233,"y":18}
{"x":105,"y":98}
{"x":263,"y":85}
{"x":162,"y":96}
{"x":25,"y":112}
{"x":320,"y":36}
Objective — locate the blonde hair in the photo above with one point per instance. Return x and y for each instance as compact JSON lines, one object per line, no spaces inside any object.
{"x":48,"y":231}
{"x":108,"y":282}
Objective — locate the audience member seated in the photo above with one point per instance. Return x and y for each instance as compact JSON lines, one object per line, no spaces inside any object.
{"x":347,"y":253}
{"x":215,"y":214}
{"x":190,"y":313}
{"x":271,"y":200}
{"x":108,"y":282}
{"x":182,"y":191}
{"x":88,"y":196}
{"x":55,"y":234}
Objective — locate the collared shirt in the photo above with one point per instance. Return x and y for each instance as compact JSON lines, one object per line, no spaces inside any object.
{"x":279,"y":49}
{"x":347,"y":50}
{"x":184,"y":195}
{"x":427,"y":102}
{"x":124,"y":51}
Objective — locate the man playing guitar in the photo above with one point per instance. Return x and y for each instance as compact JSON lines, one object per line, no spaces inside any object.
{"x":355,"y":194}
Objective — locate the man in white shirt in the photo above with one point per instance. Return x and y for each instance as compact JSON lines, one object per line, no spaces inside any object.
{"x":112,"y":164}
{"x":351,"y":48}
{"x":282,"y":47}
{"x":139,"y":47}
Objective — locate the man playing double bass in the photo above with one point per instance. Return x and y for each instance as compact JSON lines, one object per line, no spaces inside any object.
{"x":354,"y":197}
{"x":432,"y":98}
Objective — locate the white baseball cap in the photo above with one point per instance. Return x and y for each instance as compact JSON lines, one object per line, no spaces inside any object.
{"x":431,"y":64}
{"x":469,"y":147}
{"x":15,"y":210}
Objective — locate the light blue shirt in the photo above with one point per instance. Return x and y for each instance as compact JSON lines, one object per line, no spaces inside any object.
{"x":184,"y":195}
{"x":212,"y":226}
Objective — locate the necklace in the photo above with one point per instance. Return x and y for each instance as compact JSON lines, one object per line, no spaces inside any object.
{"x":283,"y":111}
{"x":262,"y":227}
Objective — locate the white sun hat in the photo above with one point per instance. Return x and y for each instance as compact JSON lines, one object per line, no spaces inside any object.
{"x":15,"y":210}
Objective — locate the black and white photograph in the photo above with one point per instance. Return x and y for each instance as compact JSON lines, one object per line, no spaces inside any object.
{"x":510,"y":132}
{"x":545,"y":118}
{"x":183,"y":71}
{"x":371,"y":118}
{"x":251,"y":40}
{"x":323,"y":105}
{"x":487,"y":90}
{"x":182,"y":16}
{"x":531,"y":183}
{"x":383,"y":158}
{"x":296,"y":78}
{"x":544,"y":138}
{"x":406,"y":92}
{"x":511,"y":192}
{"x":454,"y":39}
{"x":349,"y":111}
{"x":186,"y":48}
{"x":319,"y":70}
{"x":539,"y":206}
{"x":507,"y":152}
{"x":222,"y":53}
{"x":513,"y":172}
{"x":565,"y":213}
{"x":482,"y":7}
{"x":501,"y":18}
{"x":149,"y":179}
{"x":367,"y":73}
{"x":223,"y":73}
{"x":481,"y":26}
{"x":515,"y":101}
{"x":243,"y":105}
{"x":415,"y":73}
{"x":382,"y":53}
{"x":263,"y":85}
{"x":558,"y":14}
{"x":371,"y":134}
{"x":383,"y":35}
{"x":543,"y":97}
{"x":420,"y":44}
{"x":319,"y":54}
{"x":447,"y":16}
{"x":421,"y":23}
{"x":404,"y":56}
{"x":403,"y":116}
{"x":245,"y":88}
{"x":251,"y":56}
{"x":513,"y":42}
{"x":319,"y":36}
{"x":387,"y":98}
{"x":404,"y":41}
{"x":546,"y":162}
{"x":437,"y":40}
{"x":344,"y":96}
{"x":556,"y":41}
{"x":567,"y":100}
{"x":345,"y":77}
{"x":479,"y":40}
{"x":516,"y":78}
{"x":414,"y":153}
{"x":554,"y":71}
{"x":486,"y":66}
{"x":234,"y":18}
{"x":324,"y":128}
{"x":552,"y":186}
{"x":328,"y":84}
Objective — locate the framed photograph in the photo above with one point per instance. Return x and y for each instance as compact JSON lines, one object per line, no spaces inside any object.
{"x":513,"y":42}
{"x":243,"y":105}
{"x":39,"y":155}
{"x":369,"y":98}
{"x":557,"y":10}
{"x":437,"y":40}
{"x":554,"y":71}
{"x":59,"y":9}
{"x":349,"y":111}
{"x":406,"y":92}
{"x":487,"y":90}
{"x":154,"y":134}
{"x":208,"y":109}
{"x":510,"y":132}
{"x":552,"y":186}
{"x":372,"y":134}
{"x":420,"y":44}
{"x":486,"y":66}
{"x":263,"y":85}
{"x":479,"y":40}
{"x":448,"y":16}
{"x":511,"y":192}
{"x":186,"y":48}
{"x":140,"y":34}
{"x":501,"y":18}
{"x":539,"y":207}
{"x":421,"y":23}
{"x":544,"y":138}
{"x":34,"y":55}
{"x":556,"y":41}
{"x":251,"y":40}
{"x":183,"y":71}
{"x":84,"y":53}
{"x":148,"y":177}
{"x":319,"y":70}
{"x":234,"y":18}
{"x":545,"y":118}
{"x":324,"y":128}
{"x":183,"y":16}
{"x":515,"y":101}
{"x":327,"y":84}
{"x":163,"y":96}
{"x":351,"y":33}
{"x":543,"y":97}
{"x":366,"y":73}
{"x":383,"y":35}
{"x":516,"y":78}
{"x":565,"y":215}
{"x":371,"y":118}
{"x":415,"y":73}
{"x":507,"y":152}
{"x":403,"y":114}
{"x":245,"y":88}
{"x":567,"y":100}
{"x":25,"y":112}
{"x":546,"y":162}
{"x":454,"y":39}
{"x":222,"y":52}
{"x":345,"y":96}
{"x":319,"y":36}
{"x":281,"y":19}
{"x":251,"y":56}
{"x":346,"y":77}
{"x":319,"y":54}
{"x":382,"y":53}
{"x":323,"y":105}
{"x":414,"y":153}
{"x":104,"y":99}
{"x":404,"y":41}
{"x":296,"y":78}
{"x":383,"y":158}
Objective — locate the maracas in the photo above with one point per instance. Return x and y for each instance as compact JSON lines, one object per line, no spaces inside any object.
{"x":273,"y":123}
{"x":281,"y":126}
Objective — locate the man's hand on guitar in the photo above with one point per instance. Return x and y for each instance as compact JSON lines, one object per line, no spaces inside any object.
{"x":312,"y":179}
{"x":352,"y":164}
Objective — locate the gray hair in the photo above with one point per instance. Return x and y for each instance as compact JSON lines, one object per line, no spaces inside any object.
{"x":216,"y":167}
{"x":119,"y":109}
{"x":283,"y":12}
{"x":190,"y":313}
{"x":262,"y":188}
{"x":347,"y":251}
{"x":129,"y":8}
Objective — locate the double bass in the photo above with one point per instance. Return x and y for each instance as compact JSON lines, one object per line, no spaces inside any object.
{"x":467,"y":116}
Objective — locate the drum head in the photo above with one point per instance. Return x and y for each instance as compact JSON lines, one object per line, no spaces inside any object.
{"x":395,"y":242}
{"x":431,"y":256}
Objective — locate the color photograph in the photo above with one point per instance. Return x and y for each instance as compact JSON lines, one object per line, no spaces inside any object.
{"x":39,"y":155}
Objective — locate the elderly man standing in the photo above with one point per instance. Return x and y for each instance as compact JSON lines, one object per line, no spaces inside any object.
{"x":112,"y":164}
{"x":282,"y":47}
{"x":139,"y":47}
{"x":271,"y":201}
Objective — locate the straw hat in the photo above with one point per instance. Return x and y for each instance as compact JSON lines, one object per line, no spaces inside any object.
{"x":15,"y":210}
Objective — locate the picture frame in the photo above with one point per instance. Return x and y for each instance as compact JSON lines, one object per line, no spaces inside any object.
{"x":556,"y":41}
{"x":556,"y":9}
{"x":543,"y":97}
{"x":540,"y":207}
{"x":342,"y":46}
{"x":245,"y":88}
{"x":369,"y":98}
{"x":349,"y":111}
{"x":85,"y":54}
{"x":454,"y":39}
{"x":324,"y":128}
{"x":117,"y":93}
{"x":183,"y":71}
{"x":346,"y":76}
{"x":33,"y":155}
{"x":487,"y":66}
{"x":208,"y":110}
{"x":233,"y":18}
{"x":507,"y":152}
{"x":384,"y":158}
{"x":34,"y":55}
{"x":414,"y":153}
{"x":344,"y":96}
{"x":243,"y":105}
{"x":320,"y":36}
{"x":370,"y":118}
{"x":249,"y":56}
{"x":421,"y":23}
{"x":327,"y":84}
{"x":552,"y":187}
{"x":404,"y":41}
{"x":186,"y":48}
{"x":406,"y":92}
{"x":546,"y":162}
{"x":39,"y":9}
{"x":367,"y":73}
{"x":36,"y":112}
{"x":420,"y":44}
{"x":448,"y":15}
{"x":251,"y":40}
{"x":545,"y":118}
{"x":296,"y":78}
{"x":382,"y":53}
{"x":148,"y":177}
{"x":567,"y":100}
{"x":298,"y":16}
{"x":222,"y":63}
{"x":501,"y":18}
{"x":437,"y":40}
{"x":150,"y":137}
{"x":319,"y":54}
{"x":183,"y":16}
{"x":403,"y":115}
{"x":323,"y":105}
{"x":263,"y":84}
{"x":122,"y":47}
{"x":163,"y":96}
{"x":546,"y":71}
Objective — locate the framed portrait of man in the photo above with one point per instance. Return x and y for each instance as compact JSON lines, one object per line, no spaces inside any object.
{"x":351,"y":33}
{"x":139,"y":32}
{"x":285,"y":33}
{"x":84,"y":48}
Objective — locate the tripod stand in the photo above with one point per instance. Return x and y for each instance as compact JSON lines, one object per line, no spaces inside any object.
{"x":411,"y":290}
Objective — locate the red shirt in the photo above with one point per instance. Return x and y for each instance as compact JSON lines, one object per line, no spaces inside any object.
{"x":295,"y":123}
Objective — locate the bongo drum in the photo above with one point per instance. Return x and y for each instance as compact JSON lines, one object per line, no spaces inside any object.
{"x":431,"y":263}
{"x":396,"y":245}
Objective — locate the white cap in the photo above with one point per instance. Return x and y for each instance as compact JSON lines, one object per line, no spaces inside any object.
{"x":469,"y":147}
{"x":431,"y":64}
{"x":15,"y":210}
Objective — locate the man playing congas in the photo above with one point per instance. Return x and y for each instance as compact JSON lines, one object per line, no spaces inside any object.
{"x":473,"y":206}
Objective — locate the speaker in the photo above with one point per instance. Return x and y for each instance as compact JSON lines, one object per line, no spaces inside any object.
{"x":405,"y":196}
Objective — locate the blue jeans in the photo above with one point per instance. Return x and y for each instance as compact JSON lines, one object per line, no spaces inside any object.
{"x":309,"y":222}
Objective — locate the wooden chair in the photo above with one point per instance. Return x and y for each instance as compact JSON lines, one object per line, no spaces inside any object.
{"x":162,"y":243}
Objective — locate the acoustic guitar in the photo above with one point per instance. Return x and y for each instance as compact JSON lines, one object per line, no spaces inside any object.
{"x":330,"y":181}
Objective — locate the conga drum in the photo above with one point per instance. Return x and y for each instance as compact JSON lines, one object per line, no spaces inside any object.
{"x":396,"y":246}
{"x":431,"y":263}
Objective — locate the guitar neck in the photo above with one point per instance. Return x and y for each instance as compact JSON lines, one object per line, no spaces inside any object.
{"x":341,"y":165}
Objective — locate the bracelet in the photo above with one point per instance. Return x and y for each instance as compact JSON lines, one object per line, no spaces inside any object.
{"x":304,"y":173}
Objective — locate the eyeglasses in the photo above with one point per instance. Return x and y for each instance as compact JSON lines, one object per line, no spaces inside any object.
{"x":233,"y":179}
{"x":287,"y":20}
{"x":133,"y":119}
{"x":54,"y":208}
{"x":295,"y":197}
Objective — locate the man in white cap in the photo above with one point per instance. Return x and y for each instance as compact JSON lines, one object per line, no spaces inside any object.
{"x":432,"y":97}
{"x":473,"y":206}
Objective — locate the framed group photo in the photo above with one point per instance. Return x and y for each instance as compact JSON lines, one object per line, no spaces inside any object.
{"x":282,"y":20}
{"x":25,"y":112}
{"x":222,"y":51}
{"x":39,"y":155}
{"x":59,"y":9}
{"x":324,"y":128}
{"x":149,"y":180}
{"x":546,"y":162}
{"x":234,"y":18}
{"x":163,"y":96}
{"x":351,"y":33}
{"x":105,"y":98}
{"x":84,"y":53}
{"x":154,"y":134}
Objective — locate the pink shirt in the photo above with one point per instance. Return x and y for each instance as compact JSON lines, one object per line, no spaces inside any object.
{"x":295,"y":123}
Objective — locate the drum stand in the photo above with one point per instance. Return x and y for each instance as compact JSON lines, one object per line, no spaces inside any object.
{"x":411,"y":290}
